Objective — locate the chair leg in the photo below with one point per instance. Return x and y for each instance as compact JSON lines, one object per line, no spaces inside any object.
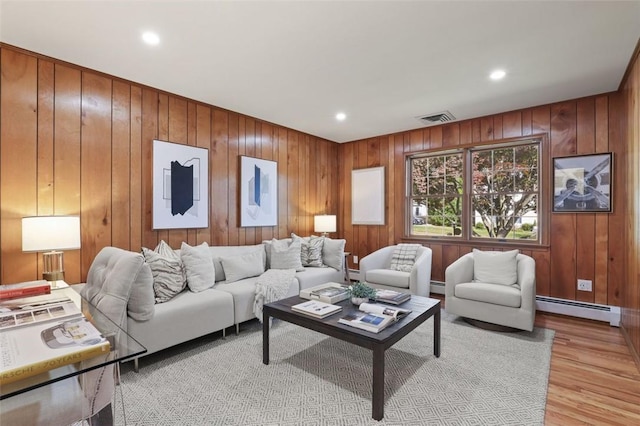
{"x":224,"y":334}
{"x":136,"y":365}
{"x":237,"y":329}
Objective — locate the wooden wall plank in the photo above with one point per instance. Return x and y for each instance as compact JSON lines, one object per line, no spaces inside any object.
{"x":150,"y":103}
{"x":18,"y":161}
{"x":177,"y":133}
{"x":120,"y":164}
{"x":66,"y":162}
{"x":95,"y":163}
{"x":202,"y":121}
{"x":135,"y":166}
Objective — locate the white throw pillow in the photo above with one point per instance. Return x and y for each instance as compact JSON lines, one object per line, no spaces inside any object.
{"x":197,"y":261}
{"x":166,"y":268}
{"x":495,"y":267}
{"x":286,"y":256}
{"x":333,"y":252}
{"x":311,"y":251}
{"x":242,"y":266}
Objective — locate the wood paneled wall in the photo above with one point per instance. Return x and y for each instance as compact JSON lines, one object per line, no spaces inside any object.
{"x":75,"y":141}
{"x":586,"y":245}
{"x":631,"y":289}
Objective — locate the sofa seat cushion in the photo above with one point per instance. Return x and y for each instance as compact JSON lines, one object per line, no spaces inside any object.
{"x":496,"y":294}
{"x":388,"y":277}
{"x":313,"y":276}
{"x":186,"y":316}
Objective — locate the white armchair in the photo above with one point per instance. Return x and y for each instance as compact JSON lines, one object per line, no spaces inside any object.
{"x":502,"y":304}
{"x":375,"y":270}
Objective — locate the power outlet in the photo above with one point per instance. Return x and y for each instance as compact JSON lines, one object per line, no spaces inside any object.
{"x":584,"y":285}
{"x":355,"y":260}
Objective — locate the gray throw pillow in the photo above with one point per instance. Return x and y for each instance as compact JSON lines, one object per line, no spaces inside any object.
{"x":168,"y":278}
{"x":199,"y":266}
{"x":242,"y":266}
{"x":286,"y":256}
{"x":311,"y":250}
{"x":333,"y":252}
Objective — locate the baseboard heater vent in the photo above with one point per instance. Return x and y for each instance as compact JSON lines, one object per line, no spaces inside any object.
{"x":593,"y":311}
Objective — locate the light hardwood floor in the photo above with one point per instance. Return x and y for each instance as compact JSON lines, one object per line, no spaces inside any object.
{"x":593,"y":379}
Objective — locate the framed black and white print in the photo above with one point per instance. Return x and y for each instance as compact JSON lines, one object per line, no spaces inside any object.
{"x":258,"y":192}
{"x":583,"y":183}
{"x":180,"y":186}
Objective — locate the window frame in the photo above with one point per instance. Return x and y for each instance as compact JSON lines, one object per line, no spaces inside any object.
{"x":466,"y":238}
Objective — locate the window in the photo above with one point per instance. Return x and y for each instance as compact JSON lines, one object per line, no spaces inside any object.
{"x":487,"y":192}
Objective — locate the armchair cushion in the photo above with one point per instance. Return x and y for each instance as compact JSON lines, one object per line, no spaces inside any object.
{"x":495,"y":267}
{"x":404,"y":256}
{"x":389,"y":277}
{"x":490,"y":293}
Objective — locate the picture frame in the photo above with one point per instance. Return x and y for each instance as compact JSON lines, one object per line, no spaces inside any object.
{"x":367,"y":196}
{"x":258,"y":192}
{"x":583,"y":183}
{"x":180,"y":186}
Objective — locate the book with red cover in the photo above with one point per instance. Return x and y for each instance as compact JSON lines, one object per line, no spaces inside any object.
{"x":31,"y":288}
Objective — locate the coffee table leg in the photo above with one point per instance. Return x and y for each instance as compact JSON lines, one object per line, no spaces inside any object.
{"x":436,"y":333}
{"x":377,"y":399}
{"x":265,"y":338}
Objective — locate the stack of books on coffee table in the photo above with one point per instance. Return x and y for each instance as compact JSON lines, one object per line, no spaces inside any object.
{"x":392,"y":297}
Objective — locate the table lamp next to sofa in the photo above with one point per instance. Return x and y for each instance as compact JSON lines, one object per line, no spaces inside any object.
{"x":51,"y":235}
{"x":324,"y":224}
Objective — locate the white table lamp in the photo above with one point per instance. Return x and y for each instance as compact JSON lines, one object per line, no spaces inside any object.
{"x":51,"y":235}
{"x":324,"y":223}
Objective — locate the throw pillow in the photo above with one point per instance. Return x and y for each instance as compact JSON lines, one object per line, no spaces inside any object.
{"x":286,"y":256}
{"x":199,"y":267}
{"x":333,"y":252}
{"x":495,"y":267}
{"x":242,"y":266}
{"x":168,"y":279}
{"x":404,"y":257}
{"x":311,"y":250}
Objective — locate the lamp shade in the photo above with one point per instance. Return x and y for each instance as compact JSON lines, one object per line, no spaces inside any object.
{"x":44,"y":233}
{"x":324,"y":223}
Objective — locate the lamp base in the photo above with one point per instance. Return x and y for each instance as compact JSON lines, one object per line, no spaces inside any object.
{"x":53,"y":276}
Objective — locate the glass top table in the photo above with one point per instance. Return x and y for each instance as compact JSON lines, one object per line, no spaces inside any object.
{"x":123,"y":347}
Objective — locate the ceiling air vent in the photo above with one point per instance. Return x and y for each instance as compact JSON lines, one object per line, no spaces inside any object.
{"x":438,"y":118}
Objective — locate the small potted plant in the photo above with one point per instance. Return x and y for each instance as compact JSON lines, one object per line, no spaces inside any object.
{"x":360,"y":293}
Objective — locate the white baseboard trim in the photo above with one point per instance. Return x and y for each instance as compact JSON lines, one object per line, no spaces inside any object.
{"x":592,"y":311}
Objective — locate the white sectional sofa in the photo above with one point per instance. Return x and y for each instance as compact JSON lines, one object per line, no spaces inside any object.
{"x":121,"y":284}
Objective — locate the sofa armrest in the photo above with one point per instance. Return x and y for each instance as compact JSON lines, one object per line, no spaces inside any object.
{"x":379,"y":259}
{"x":420,"y":278}
{"x":527,"y":281}
{"x":460,"y":271}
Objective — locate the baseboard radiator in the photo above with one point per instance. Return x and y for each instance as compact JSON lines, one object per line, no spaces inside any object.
{"x":592,"y":311}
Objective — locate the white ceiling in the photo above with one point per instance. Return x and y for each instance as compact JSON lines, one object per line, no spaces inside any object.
{"x":381,"y":62}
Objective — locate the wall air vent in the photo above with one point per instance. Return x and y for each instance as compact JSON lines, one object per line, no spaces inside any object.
{"x":437,"y":118}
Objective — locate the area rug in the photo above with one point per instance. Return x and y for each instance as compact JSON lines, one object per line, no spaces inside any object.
{"x":481,"y":378}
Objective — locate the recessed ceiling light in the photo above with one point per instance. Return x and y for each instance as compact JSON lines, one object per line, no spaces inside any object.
{"x":151,"y":38}
{"x":497,"y":75}
{"x":341,"y":116}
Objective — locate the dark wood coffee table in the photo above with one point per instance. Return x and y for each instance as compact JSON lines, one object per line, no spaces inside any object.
{"x":422,"y":309}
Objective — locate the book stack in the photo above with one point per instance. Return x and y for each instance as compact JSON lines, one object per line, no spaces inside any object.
{"x":31,"y":288}
{"x":328,"y":293}
{"x":40,"y":333}
{"x":391,"y":296}
{"x":316,"y":308}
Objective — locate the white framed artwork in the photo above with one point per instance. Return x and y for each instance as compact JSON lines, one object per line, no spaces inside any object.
{"x":258,"y":192}
{"x":180,"y":186}
{"x":367,"y":196}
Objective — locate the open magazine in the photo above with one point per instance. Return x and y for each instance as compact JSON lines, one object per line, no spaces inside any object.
{"x":374,"y":317}
{"x":35,"y":309}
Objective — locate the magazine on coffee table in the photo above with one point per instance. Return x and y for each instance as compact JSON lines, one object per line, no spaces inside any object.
{"x":392,"y":296}
{"x":374,"y":317}
{"x":35,"y":309}
{"x":316,"y":308}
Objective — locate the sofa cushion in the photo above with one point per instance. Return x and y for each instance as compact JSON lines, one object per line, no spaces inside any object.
{"x":242,"y":266}
{"x":168,"y":277}
{"x":495,"y":267}
{"x":311,"y":251}
{"x":285,"y":255}
{"x":496,"y":294}
{"x":333,"y":252}
{"x":389,"y":277}
{"x":120,"y":282}
{"x":217,"y":252}
{"x":199,"y":266}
